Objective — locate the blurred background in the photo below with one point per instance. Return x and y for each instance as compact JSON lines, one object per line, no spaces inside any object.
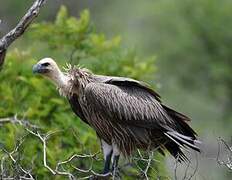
{"x":182,"y":48}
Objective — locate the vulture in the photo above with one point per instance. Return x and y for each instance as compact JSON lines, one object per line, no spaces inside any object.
{"x":125,"y":113}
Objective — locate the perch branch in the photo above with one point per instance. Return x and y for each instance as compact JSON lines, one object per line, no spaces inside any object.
{"x":33,"y":130}
{"x":148,"y":162}
{"x":20,"y":28}
{"x":56,"y":171}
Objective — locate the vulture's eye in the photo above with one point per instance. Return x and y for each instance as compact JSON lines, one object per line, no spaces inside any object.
{"x":46,"y":64}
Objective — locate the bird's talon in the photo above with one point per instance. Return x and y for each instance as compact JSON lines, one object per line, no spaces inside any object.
{"x":116,"y":172}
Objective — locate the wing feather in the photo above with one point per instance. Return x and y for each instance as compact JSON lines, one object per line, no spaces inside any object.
{"x":127,"y":105}
{"x":122,"y":81}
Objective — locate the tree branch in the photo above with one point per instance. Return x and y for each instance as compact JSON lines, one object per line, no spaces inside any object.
{"x":15,"y":120}
{"x":226,"y":160}
{"x":58,"y":170}
{"x":20,"y":28}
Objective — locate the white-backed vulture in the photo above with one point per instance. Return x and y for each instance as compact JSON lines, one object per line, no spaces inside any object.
{"x":125,"y":113}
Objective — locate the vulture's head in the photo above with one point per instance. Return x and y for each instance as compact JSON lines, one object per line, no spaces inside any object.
{"x":47,"y":67}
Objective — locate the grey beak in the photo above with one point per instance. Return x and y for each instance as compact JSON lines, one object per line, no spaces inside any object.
{"x":36,"y":68}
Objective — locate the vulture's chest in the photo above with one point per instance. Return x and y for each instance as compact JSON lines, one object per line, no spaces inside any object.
{"x":76,"y":107}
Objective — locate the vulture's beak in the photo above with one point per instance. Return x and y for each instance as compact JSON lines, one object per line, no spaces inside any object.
{"x":39,"y":68}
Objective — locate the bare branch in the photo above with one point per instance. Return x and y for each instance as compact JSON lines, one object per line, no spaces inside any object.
{"x":15,"y":120}
{"x":189,"y":171}
{"x":33,"y":130}
{"x":20,"y":28}
{"x":224,"y":161}
{"x":148,"y":162}
{"x":196,"y":168}
{"x":22,"y":173}
{"x":176,"y":167}
{"x":56,"y":171}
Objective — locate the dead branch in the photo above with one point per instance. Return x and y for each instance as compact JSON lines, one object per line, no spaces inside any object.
{"x":21,"y":172}
{"x":33,"y":130}
{"x":15,"y":120}
{"x":224,"y":161}
{"x":148,"y":161}
{"x":57,"y":170}
{"x":196,"y":168}
{"x":20,"y":28}
{"x":189,"y":171}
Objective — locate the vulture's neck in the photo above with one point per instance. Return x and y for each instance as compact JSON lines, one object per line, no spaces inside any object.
{"x":62,"y":83}
{"x":73,"y":81}
{"x":60,"y":80}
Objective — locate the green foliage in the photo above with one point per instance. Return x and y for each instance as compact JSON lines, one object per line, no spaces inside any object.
{"x":78,"y":40}
{"x":200,"y":42}
{"x":195,"y":47}
{"x":36,"y":99}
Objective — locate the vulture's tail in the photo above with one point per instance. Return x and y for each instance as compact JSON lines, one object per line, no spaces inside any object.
{"x":181,"y":136}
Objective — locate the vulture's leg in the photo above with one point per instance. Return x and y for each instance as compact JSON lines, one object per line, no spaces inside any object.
{"x":116,"y":155}
{"x":107,"y":151}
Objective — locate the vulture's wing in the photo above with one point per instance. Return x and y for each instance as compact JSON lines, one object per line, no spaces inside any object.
{"x":128,"y":82}
{"x":127,"y":102}
{"x":131,"y":103}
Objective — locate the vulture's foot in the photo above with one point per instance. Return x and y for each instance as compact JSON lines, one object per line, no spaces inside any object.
{"x":116,"y":174}
{"x":115,"y":163}
{"x":115,"y":169}
{"x":107,"y":163}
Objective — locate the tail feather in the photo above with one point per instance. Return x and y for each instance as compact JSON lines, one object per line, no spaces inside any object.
{"x":181,"y":135}
{"x":191,"y":139}
{"x":174,"y":140}
{"x":182,"y":141}
{"x":180,"y":120}
{"x":175,"y":151}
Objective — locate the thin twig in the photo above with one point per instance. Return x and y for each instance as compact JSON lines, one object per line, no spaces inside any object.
{"x":26,"y":174}
{"x":176,"y":167}
{"x":196,"y":168}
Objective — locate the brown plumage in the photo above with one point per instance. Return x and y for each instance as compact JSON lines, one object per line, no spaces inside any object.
{"x":123,"y":111}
